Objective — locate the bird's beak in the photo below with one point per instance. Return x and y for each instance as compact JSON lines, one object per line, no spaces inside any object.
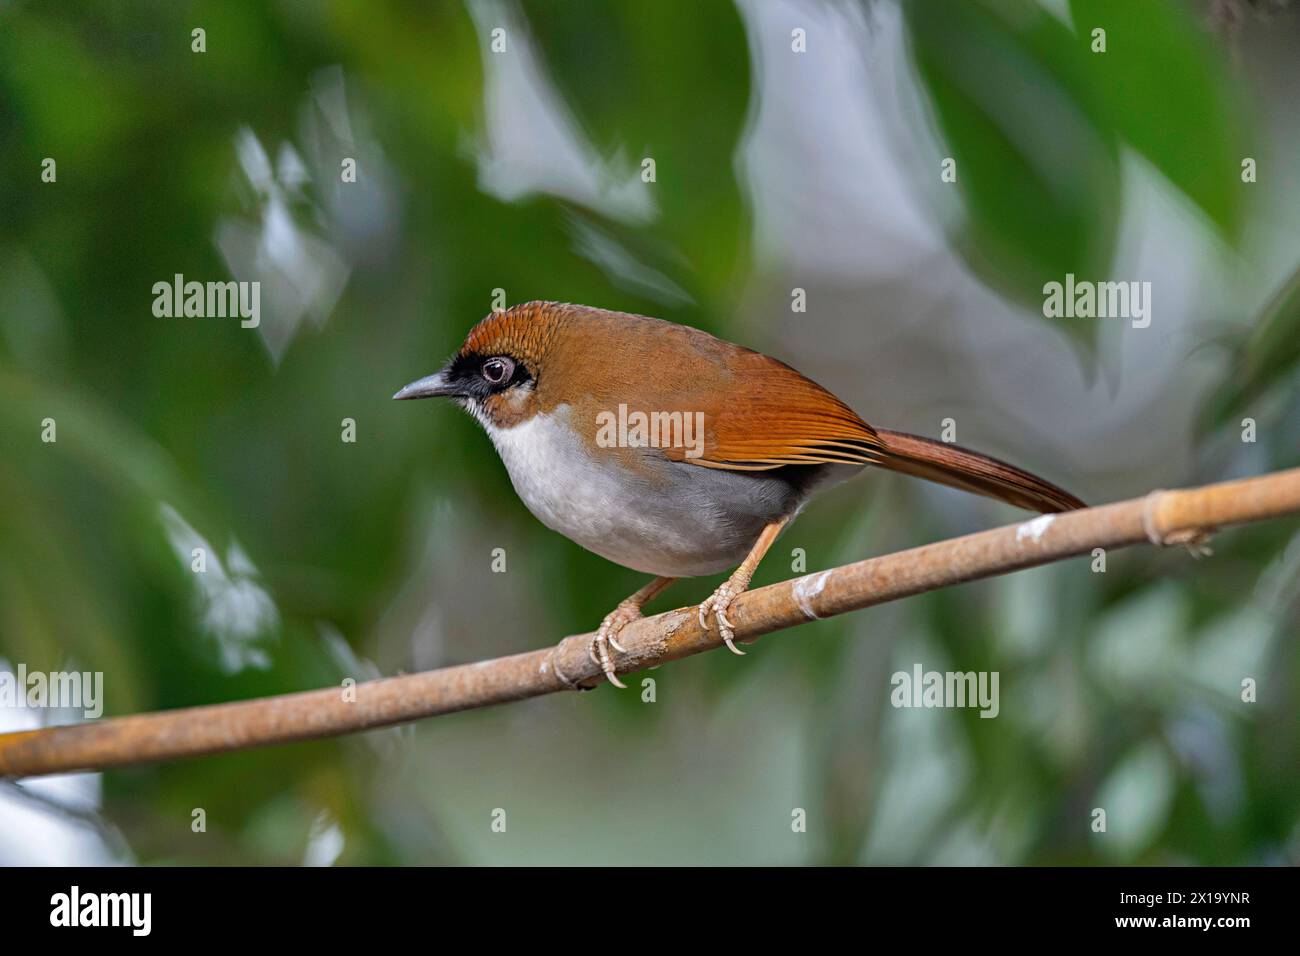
{"x":428,"y":387}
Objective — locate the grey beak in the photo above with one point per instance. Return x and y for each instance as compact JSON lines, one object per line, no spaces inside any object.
{"x":428,"y":387}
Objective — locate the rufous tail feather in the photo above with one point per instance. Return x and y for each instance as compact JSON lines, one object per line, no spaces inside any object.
{"x":971,"y":471}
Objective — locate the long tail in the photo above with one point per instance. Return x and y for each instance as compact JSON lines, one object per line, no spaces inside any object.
{"x":971,"y":471}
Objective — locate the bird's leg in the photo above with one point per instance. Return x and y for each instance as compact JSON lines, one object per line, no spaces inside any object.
{"x":721,"y":599}
{"x":627,"y":611}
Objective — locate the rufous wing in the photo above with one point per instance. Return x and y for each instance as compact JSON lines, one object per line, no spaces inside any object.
{"x":773,"y":416}
{"x":759,"y":414}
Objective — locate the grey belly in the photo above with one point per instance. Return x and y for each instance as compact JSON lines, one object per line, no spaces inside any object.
{"x":701,"y":521}
{"x":666,"y":518}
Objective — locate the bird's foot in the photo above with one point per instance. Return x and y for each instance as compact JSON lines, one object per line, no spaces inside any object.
{"x":719,"y":602}
{"x":607,"y":638}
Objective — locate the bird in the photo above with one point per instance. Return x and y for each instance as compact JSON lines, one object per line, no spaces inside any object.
{"x":675,"y":453}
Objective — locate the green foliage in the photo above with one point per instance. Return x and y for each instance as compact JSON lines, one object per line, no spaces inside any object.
{"x":1036,"y":167}
{"x":1035,"y":115}
{"x":373,"y":557}
{"x":1167,"y":91}
{"x":1264,"y":359}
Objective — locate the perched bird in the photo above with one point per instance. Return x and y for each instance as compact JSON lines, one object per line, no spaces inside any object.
{"x":670,"y":451}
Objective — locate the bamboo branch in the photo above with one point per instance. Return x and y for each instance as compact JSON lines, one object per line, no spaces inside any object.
{"x":1162,"y":517}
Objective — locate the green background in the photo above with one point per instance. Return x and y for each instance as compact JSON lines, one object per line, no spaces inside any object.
{"x":520,"y":171}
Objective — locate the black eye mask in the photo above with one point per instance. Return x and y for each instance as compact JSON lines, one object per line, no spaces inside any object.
{"x":466,"y":373}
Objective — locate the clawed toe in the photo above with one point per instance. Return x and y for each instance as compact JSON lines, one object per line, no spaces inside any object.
{"x":607,"y":634}
{"x":599,"y":653}
{"x":719,"y":602}
{"x":607,"y":637}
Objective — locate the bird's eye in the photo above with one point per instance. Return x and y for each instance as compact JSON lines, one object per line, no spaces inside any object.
{"x":498,"y":370}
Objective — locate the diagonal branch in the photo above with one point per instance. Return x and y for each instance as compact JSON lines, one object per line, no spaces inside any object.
{"x":1162,"y":517}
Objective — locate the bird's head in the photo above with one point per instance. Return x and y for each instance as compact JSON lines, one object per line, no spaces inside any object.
{"x":496,"y":372}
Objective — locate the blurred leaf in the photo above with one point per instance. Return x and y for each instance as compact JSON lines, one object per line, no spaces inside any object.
{"x":1012,"y":96}
{"x":679,"y":97}
{"x":1136,"y":797}
{"x":1168,"y":92}
{"x":1269,"y":354}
